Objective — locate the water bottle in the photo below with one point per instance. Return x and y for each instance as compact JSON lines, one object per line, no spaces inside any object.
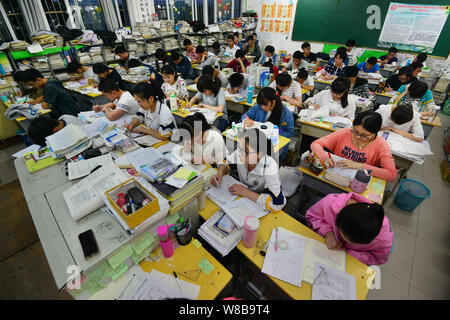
{"x":309,"y":113}
{"x":266,"y":79}
{"x":165,"y":241}
{"x":274,"y":137}
{"x":250,"y":94}
{"x":173,"y":103}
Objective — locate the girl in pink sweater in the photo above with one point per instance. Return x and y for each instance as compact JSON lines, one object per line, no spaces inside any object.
{"x":361,"y":145}
{"x":350,"y":222}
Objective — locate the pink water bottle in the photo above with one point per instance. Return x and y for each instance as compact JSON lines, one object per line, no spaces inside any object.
{"x":251,"y":226}
{"x":165,"y":241}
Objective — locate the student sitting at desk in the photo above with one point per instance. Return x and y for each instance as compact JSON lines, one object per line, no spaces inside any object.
{"x":231,"y":48}
{"x":217,"y":49}
{"x":251,"y":48}
{"x":361,"y":145}
{"x":21,"y":78}
{"x":269,"y":55}
{"x":403,"y":77}
{"x":212,"y":97}
{"x":183,"y":65}
{"x":42,"y":127}
{"x":416,"y":68}
{"x":78,"y":71}
{"x":123,"y":102}
{"x":421,"y":57}
{"x":418,"y":95}
{"x":55,"y":96}
{"x":307,"y":55}
{"x":257,"y":170}
{"x":402,"y":119}
{"x":334,"y":52}
{"x":271,"y":109}
{"x":370,"y":66}
{"x":358,"y":86}
{"x":216,"y":73}
{"x":173,"y":83}
{"x":239,"y":83}
{"x":289,"y":90}
{"x":350,"y":45}
{"x":206,"y":58}
{"x":190,"y":51}
{"x":153,"y":113}
{"x":255,"y":38}
{"x":336,"y":99}
{"x":334,"y":70}
{"x":237,"y":41}
{"x":296,"y":63}
{"x":162,"y":56}
{"x":206,"y":144}
{"x":305,"y":80}
{"x":240,"y":63}
{"x":389,"y":58}
{"x":154,"y":74}
{"x":350,"y":222}
{"x":124,"y":55}
{"x":105,"y":72}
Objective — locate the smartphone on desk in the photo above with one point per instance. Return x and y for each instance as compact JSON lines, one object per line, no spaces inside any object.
{"x":88,"y":243}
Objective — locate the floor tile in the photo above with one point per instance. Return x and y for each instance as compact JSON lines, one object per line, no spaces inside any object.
{"x":416,"y":171}
{"x":434,"y":225}
{"x":7,"y":172}
{"x":405,"y":220}
{"x":415,"y":294}
{"x":391,"y":288}
{"x":440,"y":191}
{"x":432,"y":169}
{"x":6,"y":154}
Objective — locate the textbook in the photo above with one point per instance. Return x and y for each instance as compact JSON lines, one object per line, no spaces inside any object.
{"x":34,"y":163}
{"x":68,"y":142}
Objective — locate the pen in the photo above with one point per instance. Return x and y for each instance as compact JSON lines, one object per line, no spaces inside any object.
{"x":34,"y":158}
{"x":263,"y":251}
{"x":178,"y":281}
{"x":276,"y":239}
{"x":95,"y":169}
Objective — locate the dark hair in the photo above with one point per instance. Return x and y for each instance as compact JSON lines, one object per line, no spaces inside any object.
{"x":416,"y":65}
{"x":100,"y":68}
{"x":250,"y":38}
{"x":230,"y":36}
{"x":108,"y":85}
{"x":360,"y":222}
{"x":41,"y":128}
{"x":20,"y":76}
{"x":187,"y":42}
{"x":297,"y":55}
{"x":341,"y":85}
{"x":254,"y":34}
{"x":175,"y":55}
{"x":160,"y":54}
{"x":258,"y":141}
{"x":268,"y":64}
{"x":209,"y":70}
{"x":188,"y":124}
{"x":149,"y":89}
{"x":421,"y":57}
{"x":306,"y":45}
{"x":283,"y":79}
{"x":370,"y":120}
{"x":169,"y":70}
{"x":32,"y":75}
{"x":372,"y":61}
{"x":120,"y":49}
{"x":239,"y":54}
{"x":236,"y":34}
{"x":351,"y":71}
{"x":341,"y":50}
{"x":393,"y":49}
{"x":133,"y":63}
{"x":343,"y":55}
{"x":302,"y":73}
{"x":236,"y":79}
{"x":216,"y":45}
{"x":402,"y":114}
{"x":200,"y":49}
{"x":268,"y":94}
{"x":207,"y":82}
{"x":405,"y":70}
{"x":350,"y":43}
{"x":74,"y":66}
{"x":417,"y":89}
{"x":270,"y":49}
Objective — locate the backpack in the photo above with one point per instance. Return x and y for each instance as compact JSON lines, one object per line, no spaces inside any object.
{"x":108,"y":37}
{"x":68,"y":34}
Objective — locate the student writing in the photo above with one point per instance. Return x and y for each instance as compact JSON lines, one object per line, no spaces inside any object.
{"x":418,"y":95}
{"x":289,"y":90}
{"x":239,"y":84}
{"x":358,"y":86}
{"x":183,"y":65}
{"x":105,"y":72}
{"x":78,"y":71}
{"x":390,"y":57}
{"x":403,"y":77}
{"x":173,"y":83}
{"x":240,"y":63}
{"x":334,"y":70}
{"x":296,"y":63}
{"x":370,"y":66}
{"x":269,"y":55}
{"x":305,"y":80}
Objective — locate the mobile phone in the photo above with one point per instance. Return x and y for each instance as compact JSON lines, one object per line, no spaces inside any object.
{"x":88,"y":243}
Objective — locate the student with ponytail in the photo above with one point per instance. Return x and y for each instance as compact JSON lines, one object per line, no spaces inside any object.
{"x":289,"y":90}
{"x":257,"y":170}
{"x":212,"y":97}
{"x":153,"y":113}
{"x":350,"y":222}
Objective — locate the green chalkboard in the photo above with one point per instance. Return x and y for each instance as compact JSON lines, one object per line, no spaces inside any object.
{"x":336,"y":21}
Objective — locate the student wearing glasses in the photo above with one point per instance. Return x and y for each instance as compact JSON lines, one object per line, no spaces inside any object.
{"x":257,"y":170}
{"x":361,"y":146}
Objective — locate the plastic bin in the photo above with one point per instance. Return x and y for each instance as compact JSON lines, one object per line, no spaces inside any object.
{"x":410,"y":194}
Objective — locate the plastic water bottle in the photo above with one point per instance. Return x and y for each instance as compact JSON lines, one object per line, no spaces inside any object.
{"x":309,"y":113}
{"x":173,"y":103}
{"x":274,"y":137}
{"x":266,"y":79}
{"x":250,"y":94}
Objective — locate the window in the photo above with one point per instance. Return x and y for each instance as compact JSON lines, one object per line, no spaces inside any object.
{"x":237,"y":8}
{"x":14,"y":15}
{"x":200,"y":10}
{"x":161,"y":9}
{"x":56,"y":12}
{"x":4,"y":32}
{"x":124,"y":15}
{"x":210,"y":11}
{"x":224,"y":10}
{"x":183,"y":10}
{"x":92,"y":14}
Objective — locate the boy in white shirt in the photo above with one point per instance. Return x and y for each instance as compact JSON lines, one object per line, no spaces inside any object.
{"x":305,"y":80}
{"x":296,"y":63}
{"x":231,"y":47}
{"x":351,"y":52}
{"x":239,"y":83}
{"x":402,"y":119}
{"x":289,"y":90}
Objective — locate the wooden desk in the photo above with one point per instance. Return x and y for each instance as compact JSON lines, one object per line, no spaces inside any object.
{"x":353,"y":266}
{"x":186,"y":258}
{"x":283,"y":141}
{"x":428,"y":126}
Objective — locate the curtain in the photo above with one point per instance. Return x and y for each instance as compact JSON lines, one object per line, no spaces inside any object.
{"x":110,"y":13}
{"x":34,"y":15}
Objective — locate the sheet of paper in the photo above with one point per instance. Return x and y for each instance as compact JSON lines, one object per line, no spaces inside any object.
{"x":82,"y":168}
{"x":221,"y":195}
{"x":321,"y":112}
{"x":332,"y":284}
{"x":349,"y":173}
{"x":346,"y":122}
{"x":20,"y":154}
{"x":285,"y":264}
{"x":239,"y":209}
{"x":191,"y":290}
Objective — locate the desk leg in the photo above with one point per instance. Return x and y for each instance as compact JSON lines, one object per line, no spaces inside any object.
{"x":426,"y":130}
{"x":297,"y":155}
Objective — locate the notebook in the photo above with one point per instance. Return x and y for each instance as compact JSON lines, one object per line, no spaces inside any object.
{"x":34,"y":165}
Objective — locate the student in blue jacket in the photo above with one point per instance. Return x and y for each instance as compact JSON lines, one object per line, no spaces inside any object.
{"x":271,"y":109}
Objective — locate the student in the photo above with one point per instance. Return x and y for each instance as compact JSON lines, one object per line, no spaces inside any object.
{"x":403,"y":77}
{"x":183,"y":65}
{"x":239,"y":64}
{"x":289,"y":90}
{"x":358,"y":86}
{"x":206,"y":144}
{"x":416,"y":93}
{"x":42,"y":127}
{"x":336,"y":99}
{"x":190,"y":51}
{"x":124,"y":55}
{"x":255,"y":38}
{"x":308,"y":56}
{"x":334,"y":70}
{"x":416,"y":68}
{"x":76,"y":68}
{"x":350,"y":222}
{"x":389,"y":58}
{"x":421,"y":57}
{"x":206,"y":58}
{"x":236,"y":40}
{"x":402,"y":119}
{"x":305,"y":80}
{"x":123,"y":103}
{"x":269,"y":55}
{"x":251,"y":48}
{"x":351,"y":52}
{"x":273,"y":69}
{"x":104,"y":72}
{"x":20,"y":77}
{"x":296,"y":63}
{"x":153,"y":113}
{"x":239,"y":83}
{"x":370,"y":66}
{"x":269,"y":108}
{"x":216,"y":73}
{"x":257,"y":170}
{"x":231,"y":47}
{"x":217,"y":49}
{"x":334,"y":52}
{"x":361,"y":146}
{"x":173,"y":83}
{"x":55,"y":96}
{"x":212,"y":97}
{"x":162,"y":56}
{"x":154,"y":74}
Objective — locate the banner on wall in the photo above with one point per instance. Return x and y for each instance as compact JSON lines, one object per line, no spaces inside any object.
{"x":413,"y":27}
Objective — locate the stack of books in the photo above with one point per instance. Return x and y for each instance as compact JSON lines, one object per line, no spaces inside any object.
{"x":96,"y":54}
{"x":68,"y":142}
{"x":138,"y":74}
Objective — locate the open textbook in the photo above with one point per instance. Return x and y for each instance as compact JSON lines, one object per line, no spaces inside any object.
{"x":82,"y":168}
{"x":321,"y":112}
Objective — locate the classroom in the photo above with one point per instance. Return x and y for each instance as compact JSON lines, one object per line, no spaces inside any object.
{"x":228,"y":150}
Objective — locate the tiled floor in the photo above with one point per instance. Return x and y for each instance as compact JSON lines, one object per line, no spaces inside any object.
{"x":419,"y":267}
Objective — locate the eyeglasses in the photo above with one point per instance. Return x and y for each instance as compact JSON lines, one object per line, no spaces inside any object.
{"x":243,"y":151}
{"x":361,"y":136}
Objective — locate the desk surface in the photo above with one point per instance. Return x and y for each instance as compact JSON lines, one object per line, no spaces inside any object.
{"x":183,"y":113}
{"x":317,"y":124}
{"x":244,"y":102}
{"x":283,"y":141}
{"x":281,"y":219}
{"x":436,"y":123}
{"x":92,"y":95}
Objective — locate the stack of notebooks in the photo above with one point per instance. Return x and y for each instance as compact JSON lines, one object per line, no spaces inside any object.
{"x":68,"y":142}
{"x":39,"y":159}
{"x":96,"y":54}
{"x":138,"y":74}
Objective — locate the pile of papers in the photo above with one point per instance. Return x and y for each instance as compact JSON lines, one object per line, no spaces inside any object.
{"x":184,"y":27}
{"x":138,"y":74}
{"x":165,"y":26}
{"x":171,"y":43}
{"x":96,"y":54}
{"x":40,"y":62}
{"x":68,"y":142}
{"x":407,"y":148}
{"x":48,"y":40}
{"x":73,"y":85}
{"x":109,"y":54}
{"x":18,"y":45}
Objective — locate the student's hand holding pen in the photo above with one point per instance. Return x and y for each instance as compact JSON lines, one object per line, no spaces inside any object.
{"x":216,"y":180}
